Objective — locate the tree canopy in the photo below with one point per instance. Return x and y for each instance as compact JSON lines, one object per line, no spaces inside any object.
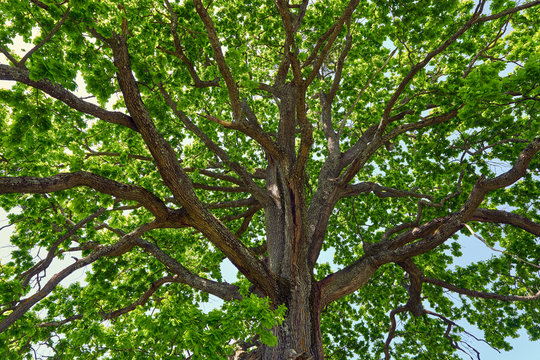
{"x":147,"y":142}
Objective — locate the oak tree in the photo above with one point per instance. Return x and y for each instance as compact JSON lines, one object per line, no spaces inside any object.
{"x":337,"y":153}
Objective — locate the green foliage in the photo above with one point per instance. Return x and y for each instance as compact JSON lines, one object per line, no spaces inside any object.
{"x":491,"y":80}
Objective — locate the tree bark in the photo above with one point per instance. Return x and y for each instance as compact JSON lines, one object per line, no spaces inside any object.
{"x":299,"y":336}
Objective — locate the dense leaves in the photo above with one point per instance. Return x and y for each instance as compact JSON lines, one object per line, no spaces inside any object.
{"x":338,"y":153}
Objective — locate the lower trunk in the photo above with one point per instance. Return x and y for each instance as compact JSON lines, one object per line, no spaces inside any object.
{"x":299,"y":336}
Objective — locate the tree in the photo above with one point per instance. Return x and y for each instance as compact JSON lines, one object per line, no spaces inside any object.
{"x":266,"y":133}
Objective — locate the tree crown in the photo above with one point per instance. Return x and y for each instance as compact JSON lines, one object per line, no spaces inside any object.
{"x":149,"y":141}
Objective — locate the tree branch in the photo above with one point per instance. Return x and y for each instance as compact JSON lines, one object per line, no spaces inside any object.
{"x":435,"y":232}
{"x":508,"y":11}
{"x":424,"y":122}
{"x":290,"y":48}
{"x":220,"y":59}
{"x":497,"y":250}
{"x":40,"y":4}
{"x":336,"y":28}
{"x":392,"y":331}
{"x":346,"y":281}
{"x":504,"y":217}
{"x":491,"y":44}
{"x":44,"y":264}
{"x":381,"y":191}
{"x":248,"y":215}
{"x":251,"y":128}
{"x":361,"y":92}
{"x":229,"y":189}
{"x":179,"y":52}
{"x":233,"y":203}
{"x":111,"y":315}
{"x":480,"y":294}
{"x":12,"y":73}
{"x":416,"y":68}
{"x":474,"y":19}
{"x":431,"y":234}
{"x":259,"y":193}
{"x":224,"y":291}
{"x":44,"y":40}
{"x":482,"y":186}
{"x":179,"y":183}
{"x":143,"y":299}
{"x":24,"y":305}
{"x":34,"y":185}
{"x":8,"y":55}
{"x":372,"y":140}
{"x":341,"y":62}
{"x":415,"y":306}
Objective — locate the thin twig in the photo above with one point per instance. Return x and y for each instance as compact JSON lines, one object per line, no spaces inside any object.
{"x":497,"y":250}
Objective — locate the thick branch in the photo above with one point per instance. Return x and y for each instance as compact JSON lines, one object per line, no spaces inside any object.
{"x":40,"y":4}
{"x":59,"y":323}
{"x":34,"y":185}
{"x":482,"y":187}
{"x":248,"y":215}
{"x":291,"y":50}
{"x":435,"y":232}
{"x":381,"y":191}
{"x":12,"y":73}
{"x":431,"y":234}
{"x":424,"y":122}
{"x":504,"y":217}
{"x":346,"y":281}
{"x":224,"y":291}
{"x":180,"y":184}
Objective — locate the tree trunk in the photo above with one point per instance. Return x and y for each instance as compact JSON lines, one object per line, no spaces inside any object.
{"x":299,"y":336}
